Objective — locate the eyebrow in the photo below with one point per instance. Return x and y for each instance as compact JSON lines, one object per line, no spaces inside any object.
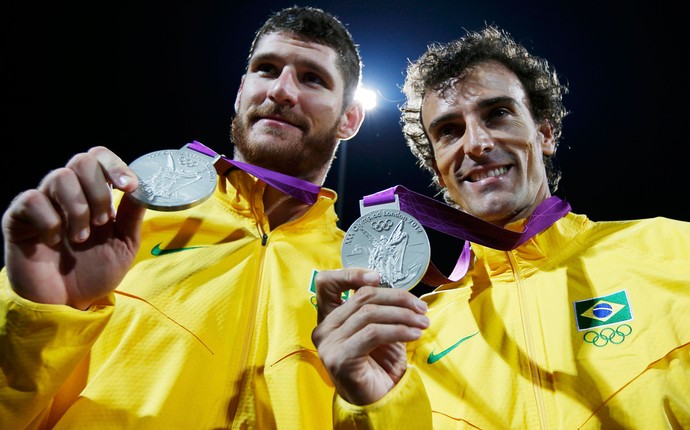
{"x":482,"y":104}
{"x":499,"y":100}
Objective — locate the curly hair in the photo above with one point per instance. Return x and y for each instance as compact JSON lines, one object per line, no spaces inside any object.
{"x":439,"y":67}
{"x":315,"y":25}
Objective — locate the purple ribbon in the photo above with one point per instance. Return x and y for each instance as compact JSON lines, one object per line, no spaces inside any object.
{"x":295,"y":187}
{"x":429,"y":212}
{"x":446,"y":219}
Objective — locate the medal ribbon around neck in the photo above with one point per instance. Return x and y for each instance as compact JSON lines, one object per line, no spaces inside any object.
{"x":446,"y":219}
{"x":429,"y":212}
{"x":298,"y":188}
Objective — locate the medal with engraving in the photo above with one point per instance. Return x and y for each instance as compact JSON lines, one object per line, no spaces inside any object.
{"x":173,"y":179}
{"x":391,"y":242}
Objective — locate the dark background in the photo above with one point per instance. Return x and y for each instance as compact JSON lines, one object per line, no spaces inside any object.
{"x":145,"y":76}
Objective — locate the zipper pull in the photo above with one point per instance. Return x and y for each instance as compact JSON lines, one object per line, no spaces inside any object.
{"x":264,"y":239}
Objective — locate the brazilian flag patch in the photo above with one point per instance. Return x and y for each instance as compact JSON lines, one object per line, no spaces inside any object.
{"x":312,"y":288}
{"x":604,"y":310}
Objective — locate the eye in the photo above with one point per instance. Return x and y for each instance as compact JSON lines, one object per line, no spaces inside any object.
{"x":313,"y":79}
{"x":266,"y":69}
{"x":448,"y":132}
{"x":497,"y":113}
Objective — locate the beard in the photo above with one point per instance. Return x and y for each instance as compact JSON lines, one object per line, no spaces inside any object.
{"x":303,"y":158}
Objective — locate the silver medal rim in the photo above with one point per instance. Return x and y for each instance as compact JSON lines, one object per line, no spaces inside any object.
{"x":209,"y":180}
{"x":357,"y":225}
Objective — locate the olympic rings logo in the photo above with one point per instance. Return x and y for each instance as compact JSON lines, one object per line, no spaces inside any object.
{"x":344,"y":296}
{"x":382,"y":224}
{"x":189,"y":162}
{"x":615,"y":336}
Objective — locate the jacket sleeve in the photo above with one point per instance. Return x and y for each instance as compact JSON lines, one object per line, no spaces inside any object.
{"x":406,"y":406}
{"x":40,"y":347}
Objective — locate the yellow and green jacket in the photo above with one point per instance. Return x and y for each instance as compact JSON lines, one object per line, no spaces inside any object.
{"x":585,"y":326}
{"x":210,"y":329}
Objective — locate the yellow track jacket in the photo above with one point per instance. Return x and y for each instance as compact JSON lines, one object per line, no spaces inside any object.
{"x":211,"y":328}
{"x":585,"y":326}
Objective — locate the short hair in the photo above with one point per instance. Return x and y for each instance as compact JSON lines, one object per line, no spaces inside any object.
{"x":441,"y":64}
{"x":315,"y":25}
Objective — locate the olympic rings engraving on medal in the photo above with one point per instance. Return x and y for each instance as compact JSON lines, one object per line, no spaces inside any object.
{"x":608,"y":335}
{"x":188,"y":162}
{"x":382,"y":224}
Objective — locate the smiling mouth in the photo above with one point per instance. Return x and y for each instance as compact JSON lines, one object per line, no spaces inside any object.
{"x":478,"y":176}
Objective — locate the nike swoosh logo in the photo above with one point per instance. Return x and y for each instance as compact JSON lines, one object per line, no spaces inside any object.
{"x":157,"y":251}
{"x":433,"y":358}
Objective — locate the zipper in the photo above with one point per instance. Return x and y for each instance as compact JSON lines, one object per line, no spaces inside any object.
{"x":250,"y":344}
{"x":529,"y":342}
{"x":251,"y":341}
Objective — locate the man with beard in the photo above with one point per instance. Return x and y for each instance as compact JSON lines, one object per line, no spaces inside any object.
{"x":199,"y":318}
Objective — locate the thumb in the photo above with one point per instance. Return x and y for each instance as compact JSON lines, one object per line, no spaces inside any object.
{"x":130,"y":216}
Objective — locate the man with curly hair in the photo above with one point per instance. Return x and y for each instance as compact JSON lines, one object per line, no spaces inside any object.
{"x":579,"y":324}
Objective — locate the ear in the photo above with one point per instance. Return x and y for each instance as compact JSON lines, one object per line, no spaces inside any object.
{"x":548,"y":141}
{"x":350,"y":121}
{"x":239,"y":93}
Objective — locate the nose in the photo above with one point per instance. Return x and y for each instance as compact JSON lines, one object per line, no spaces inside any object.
{"x":478,"y":140}
{"x":284,"y":89}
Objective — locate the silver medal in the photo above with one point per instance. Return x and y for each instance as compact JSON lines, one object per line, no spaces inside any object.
{"x":391,"y":242}
{"x":173,"y":179}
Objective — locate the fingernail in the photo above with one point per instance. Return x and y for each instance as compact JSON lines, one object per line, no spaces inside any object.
{"x":371,"y":277}
{"x":83,"y":235}
{"x":123,"y":180}
{"x":421,"y":305}
{"x":102,"y":218}
{"x":424,"y":320}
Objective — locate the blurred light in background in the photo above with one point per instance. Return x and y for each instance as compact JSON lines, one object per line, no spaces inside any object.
{"x":367,"y":97}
